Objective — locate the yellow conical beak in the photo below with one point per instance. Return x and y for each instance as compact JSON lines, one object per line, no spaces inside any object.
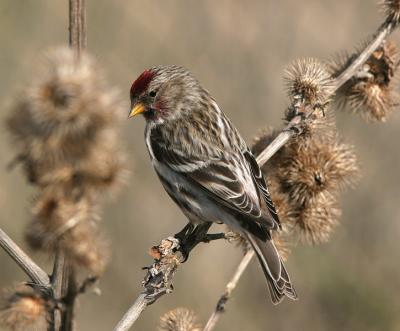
{"x":137,"y":109}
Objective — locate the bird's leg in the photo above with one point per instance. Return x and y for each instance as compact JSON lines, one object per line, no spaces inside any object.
{"x":181,"y":235}
{"x":190,"y":236}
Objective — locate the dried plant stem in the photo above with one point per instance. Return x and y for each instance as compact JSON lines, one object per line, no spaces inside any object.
{"x":33,"y":271}
{"x":63,"y":279}
{"x":371,"y":47}
{"x":220,"y":307}
{"x":133,"y":313}
{"x":59,"y":285}
{"x":77,"y":25}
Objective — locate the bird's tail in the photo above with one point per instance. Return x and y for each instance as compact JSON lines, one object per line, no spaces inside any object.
{"x":277,"y":277}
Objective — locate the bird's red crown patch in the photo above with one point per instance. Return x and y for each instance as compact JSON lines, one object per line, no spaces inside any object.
{"x":142,"y":82}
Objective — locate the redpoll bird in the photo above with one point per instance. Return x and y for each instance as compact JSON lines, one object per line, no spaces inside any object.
{"x":205,"y":165}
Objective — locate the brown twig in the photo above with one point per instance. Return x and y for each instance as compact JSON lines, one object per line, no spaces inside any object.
{"x":292,"y":129}
{"x":77,"y":25}
{"x":38,"y":276}
{"x":220,"y":307}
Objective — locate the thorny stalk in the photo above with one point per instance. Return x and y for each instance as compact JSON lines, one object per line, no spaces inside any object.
{"x":166,"y":264}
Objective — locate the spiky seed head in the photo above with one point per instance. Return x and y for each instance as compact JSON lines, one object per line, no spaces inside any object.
{"x":62,"y":115}
{"x":391,"y":9}
{"x":24,"y":309}
{"x":316,"y":220}
{"x":179,"y":319}
{"x":304,"y":180}
{"x":320,"y":167}
{"x":372,"y":91}
{"x":308,"y":81}
{"x":68,"y":222}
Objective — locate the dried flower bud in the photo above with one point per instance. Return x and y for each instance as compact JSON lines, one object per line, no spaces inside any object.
{"x":179,"y":319}
{"x":391,"y":8}
{"x":25,"y":309}
{"x":372,"y":91}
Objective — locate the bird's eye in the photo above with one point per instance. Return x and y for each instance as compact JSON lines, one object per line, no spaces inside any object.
{"x":153,"y":93}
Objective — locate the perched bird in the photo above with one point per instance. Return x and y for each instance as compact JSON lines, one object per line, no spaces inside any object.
{"x":205,"y":165}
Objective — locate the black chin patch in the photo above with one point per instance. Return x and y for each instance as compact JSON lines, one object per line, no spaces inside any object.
{"x":150,"y":114}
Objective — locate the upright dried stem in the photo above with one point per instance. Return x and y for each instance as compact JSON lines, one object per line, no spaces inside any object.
{"x":59,"y":285}
{"x":77,"y":25}
{"x":64,"y":283}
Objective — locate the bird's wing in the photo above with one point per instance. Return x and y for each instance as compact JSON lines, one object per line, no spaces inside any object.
{"x":261,"y":185}
{"x":229,"y":178}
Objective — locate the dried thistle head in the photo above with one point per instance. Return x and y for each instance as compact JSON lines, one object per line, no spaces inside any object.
{"x":372,"y":91}
{"x":70,"y":223}
{"x":24,"y":309}
{"x":309,"y":87}
{"x":391,"y":9}
{"x":102,"y":169}
{"x":316,"y":220}
{"x":307,"y":171}
{"x":304,"y":181}
{"x":308,"y":81}
{"x":179,"y":319}
{"x":62,"y":116}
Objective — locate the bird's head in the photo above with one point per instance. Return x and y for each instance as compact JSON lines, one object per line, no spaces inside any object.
{"x":164,"y":93}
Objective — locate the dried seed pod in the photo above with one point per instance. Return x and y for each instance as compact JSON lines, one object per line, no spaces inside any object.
{"x":68,"y":222}
{"x":318,"y":168}
{"x":103,"y":168}
{"x":179,"y":319}
{"x":309,"y":87}
{"x":304,"y":180}
{"x":308,"y":81}
{"x":24,"y":309}
{"x":316,"y":220}
{"x":391,"y":9}
{"x":63,"y":115}
{"x":372,"y":91}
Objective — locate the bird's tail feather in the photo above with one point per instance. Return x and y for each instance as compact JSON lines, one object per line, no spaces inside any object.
{"x":277,"y":277}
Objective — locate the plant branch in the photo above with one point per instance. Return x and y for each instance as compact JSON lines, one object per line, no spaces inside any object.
{"x":32,"y":270}
{"x":220,"y":307}
{"x":166,"y":265}
{"x":133,"y":313}
{"x":294,"y":128}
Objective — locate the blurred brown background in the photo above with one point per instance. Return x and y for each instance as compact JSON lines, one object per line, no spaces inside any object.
{"x":238,"y":50}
